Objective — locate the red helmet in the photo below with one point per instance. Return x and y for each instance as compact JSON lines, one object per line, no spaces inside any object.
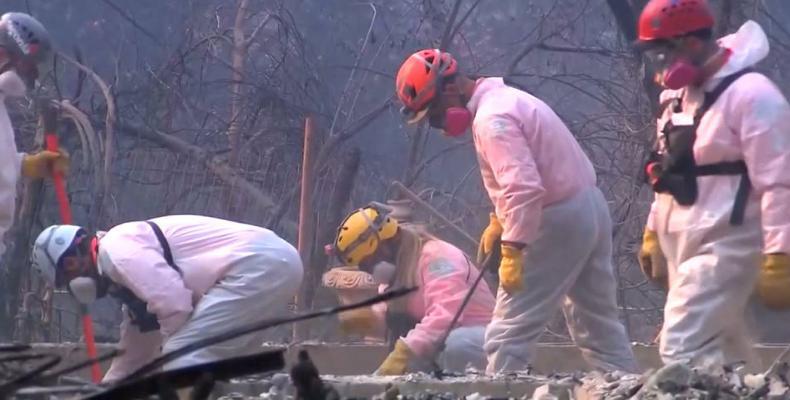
{"x":418,"y":78}
{"x":666,"y":19}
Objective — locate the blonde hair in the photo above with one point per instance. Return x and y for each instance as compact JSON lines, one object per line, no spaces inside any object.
{"x":411,"y":240}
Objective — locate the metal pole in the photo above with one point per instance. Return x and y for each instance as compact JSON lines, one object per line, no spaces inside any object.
{"x":427,"y":207}
{"x":305,"y":222}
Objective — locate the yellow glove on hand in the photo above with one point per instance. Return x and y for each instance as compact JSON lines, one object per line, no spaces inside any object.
{"x":510,"y":269}
{"x":360,"y":321}
{"x":44,"y":163}
{"x":490,"y":235}
{"x":773,"y":284}
{"x":396,"y":362}
{"x":652,"y":260}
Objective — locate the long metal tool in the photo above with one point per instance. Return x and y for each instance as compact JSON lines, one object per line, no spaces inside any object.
{"x":50,"y":120}
{"x":491,"y":263}
{"x":427,"y":207}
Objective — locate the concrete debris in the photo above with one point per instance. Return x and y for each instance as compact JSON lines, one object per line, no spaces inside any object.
{"x":673,"y":381}
{"x":680,"y":381}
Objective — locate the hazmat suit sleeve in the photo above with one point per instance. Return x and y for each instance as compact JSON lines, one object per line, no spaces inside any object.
{"x":519,"y":201}
{"x":761,"y":115}
{"x":444,"y":287}
{"x":139,"y":348}
{"x":146,"y":273}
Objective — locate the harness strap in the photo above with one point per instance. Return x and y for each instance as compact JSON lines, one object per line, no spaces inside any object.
{"x":137,"y":308}
{"x":727,"y":167}
{"x":165,"y":246}
{"x":744,"y":187}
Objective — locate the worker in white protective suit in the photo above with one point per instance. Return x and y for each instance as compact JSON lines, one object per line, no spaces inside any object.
{"x":25,"y":49}
{"x":720,"y":217}
{"x":180,"y":279}
{"x":402,"y":255}
{"x":555,"y":228}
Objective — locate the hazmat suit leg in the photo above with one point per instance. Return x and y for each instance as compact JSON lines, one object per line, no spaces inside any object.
{"x":712,"y":274}
{"x":570,"y":235}
{"x":464,"y":348}
{"x":258,"y":287}
{"x":10,"y":165}
{"x":591,"y":305}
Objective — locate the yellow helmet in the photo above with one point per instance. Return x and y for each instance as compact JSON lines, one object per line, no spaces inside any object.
{"x":360,"y":233}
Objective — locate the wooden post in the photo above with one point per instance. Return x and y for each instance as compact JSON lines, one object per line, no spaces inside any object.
{"x":306,"y":224}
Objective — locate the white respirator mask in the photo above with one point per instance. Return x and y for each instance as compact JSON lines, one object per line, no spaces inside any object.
{"x":84,"y":289}
{"x":12,"y":85}
{"x":383,"y":272}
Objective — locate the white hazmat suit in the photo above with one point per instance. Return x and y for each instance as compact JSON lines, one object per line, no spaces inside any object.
{"x":10,"y":158}
{"x":712,"y":264}
{"x":233,"y":274}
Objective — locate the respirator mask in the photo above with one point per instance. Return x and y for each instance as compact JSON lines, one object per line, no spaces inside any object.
{"x":453,"y":122}
{"x":84,"y":289}
{"x":672,"y":72}
{"x":383,"y":272}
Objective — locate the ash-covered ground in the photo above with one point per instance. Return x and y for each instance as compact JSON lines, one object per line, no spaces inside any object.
{"x":674,"y":381}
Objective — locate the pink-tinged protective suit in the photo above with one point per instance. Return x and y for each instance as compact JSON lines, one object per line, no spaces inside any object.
{"x":445,"y":277}
{"x":712,"y":264}
{"x":233,"y":273}
{"x":543,"y":188}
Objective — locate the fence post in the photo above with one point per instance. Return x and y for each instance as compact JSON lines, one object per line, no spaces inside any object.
{"x":306,"y":226}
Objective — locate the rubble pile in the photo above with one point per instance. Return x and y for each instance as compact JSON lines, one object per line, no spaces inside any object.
{"x":673,"y":381}
{"x":679,"y":381}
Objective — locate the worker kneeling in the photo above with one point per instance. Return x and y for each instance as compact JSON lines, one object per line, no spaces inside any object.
{"x":180,"y":279}
{"x":402,"y":255}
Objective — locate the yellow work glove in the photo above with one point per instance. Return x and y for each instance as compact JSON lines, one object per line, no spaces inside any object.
{"x":44,"y":163}
{"x":489,"y":237}
{"x":773,"y":284}
{"x":652,"y":260}
{"x":397,"y":361}
{"x":360,"y":321}
{"x":510,"y":269}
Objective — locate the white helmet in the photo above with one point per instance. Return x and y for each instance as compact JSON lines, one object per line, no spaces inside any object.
{"x":50,"y":246}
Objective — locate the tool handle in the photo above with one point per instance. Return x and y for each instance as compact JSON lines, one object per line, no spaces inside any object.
{"x":65,"y":215}
{"x":90,"y":343}
{"x":60,"y":186}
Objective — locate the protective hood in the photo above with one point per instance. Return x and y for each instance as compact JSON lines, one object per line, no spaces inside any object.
{"x":749,"y":45}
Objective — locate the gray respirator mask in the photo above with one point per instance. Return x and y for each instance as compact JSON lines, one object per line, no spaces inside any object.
{"x":84,"y":289}
{"x":383,"y":272}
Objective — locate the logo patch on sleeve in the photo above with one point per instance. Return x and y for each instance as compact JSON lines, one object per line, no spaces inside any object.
{"x":497,"y":126}
{"x":440,"y":267}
